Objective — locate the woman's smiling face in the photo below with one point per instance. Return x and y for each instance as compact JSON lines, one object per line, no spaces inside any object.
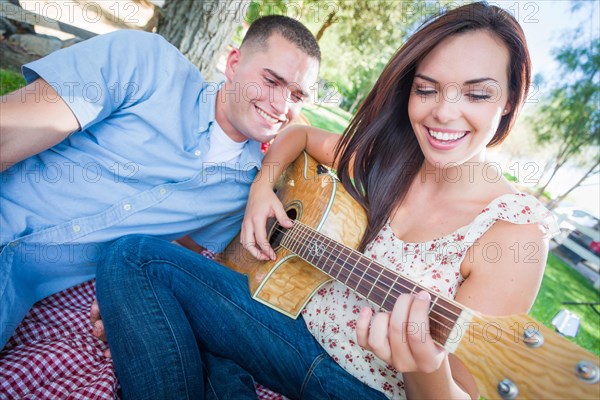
{"x":458,"y":97}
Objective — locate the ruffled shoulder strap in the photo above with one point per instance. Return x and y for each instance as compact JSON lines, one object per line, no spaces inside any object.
{"x":516,"y":208}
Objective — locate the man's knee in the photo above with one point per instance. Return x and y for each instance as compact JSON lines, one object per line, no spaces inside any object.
{"x":123,"y":252}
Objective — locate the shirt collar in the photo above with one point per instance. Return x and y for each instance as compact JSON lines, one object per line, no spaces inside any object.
{"x":208,"y":101}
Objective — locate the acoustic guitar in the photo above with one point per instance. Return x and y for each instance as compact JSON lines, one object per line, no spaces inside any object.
{"x":509,"y":357}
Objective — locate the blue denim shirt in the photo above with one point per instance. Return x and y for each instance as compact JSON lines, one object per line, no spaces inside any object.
{"x":134,"y":167}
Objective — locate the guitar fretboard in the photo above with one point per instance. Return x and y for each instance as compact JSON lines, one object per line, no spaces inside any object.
{"x":369,"y":279}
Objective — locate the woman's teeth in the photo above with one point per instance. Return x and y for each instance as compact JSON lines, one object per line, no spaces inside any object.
{"x":267,"y":116}
{"x":445,"y":136}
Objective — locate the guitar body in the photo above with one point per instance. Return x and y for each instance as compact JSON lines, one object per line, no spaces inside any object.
{"x":288,"y":283}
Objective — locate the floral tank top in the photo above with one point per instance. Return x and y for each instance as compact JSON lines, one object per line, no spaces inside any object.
{"x":331,"y":313}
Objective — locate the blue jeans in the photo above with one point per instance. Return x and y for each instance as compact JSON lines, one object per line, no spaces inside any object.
{"x":180,"y":325}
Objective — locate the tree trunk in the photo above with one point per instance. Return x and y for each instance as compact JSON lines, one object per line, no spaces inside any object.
{"x":560,"y":198}
{"x":541,"y":190}
{"x":201,"y":29}
{"x":328,"y":22}
{"x":356,"y":102}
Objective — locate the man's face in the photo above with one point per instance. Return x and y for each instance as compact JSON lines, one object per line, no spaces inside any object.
{"x":265,"y":89}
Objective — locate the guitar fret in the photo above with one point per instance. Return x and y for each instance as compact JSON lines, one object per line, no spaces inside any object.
{"x":373,"y":286}
{"x":377,"y":295}
{"x":349,"y":270}
{"x":386,"y":299}
{"x":344,"y":264}
{"x":367,"y":281}
{"x":334,"y":263}
{"x":435,"y":299}
{"x":360,"y":279}
{"x":327,"y":262}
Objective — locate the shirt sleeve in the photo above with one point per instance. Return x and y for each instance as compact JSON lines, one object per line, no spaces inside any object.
{"x":106,"y":73}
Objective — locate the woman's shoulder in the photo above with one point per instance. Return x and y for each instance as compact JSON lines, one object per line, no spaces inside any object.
{"x":518,"y":208}
{"x":513,"y":213}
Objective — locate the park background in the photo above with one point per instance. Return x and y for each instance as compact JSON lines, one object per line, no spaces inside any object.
{"x":553,"y":152}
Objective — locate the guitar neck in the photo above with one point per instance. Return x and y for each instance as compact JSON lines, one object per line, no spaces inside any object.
{"x":369,"y":279}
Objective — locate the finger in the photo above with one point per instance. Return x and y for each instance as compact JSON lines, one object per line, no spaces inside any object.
{"x":427,"y":354}
{"x":98,"y":330}
{"x":260,"y":234}
{"x":401,"y":357}
{"x":248,"y":242}
{"x":94,"y":312}
{"x":379,"y":341}
{"x":282,"y":216}
{"x":107,"y":353}
{"x":362,"y":327}
{"x":255,"y":251}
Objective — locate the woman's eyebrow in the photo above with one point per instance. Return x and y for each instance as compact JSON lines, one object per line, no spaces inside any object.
{"x":469,"y":82}
{"x":425,"y":77}
{"x":479,"y":80}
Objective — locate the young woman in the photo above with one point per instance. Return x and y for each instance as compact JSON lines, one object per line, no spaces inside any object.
{"x":414,"y":156}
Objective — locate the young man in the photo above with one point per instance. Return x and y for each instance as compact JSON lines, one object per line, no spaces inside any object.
{"x":121,"y":134}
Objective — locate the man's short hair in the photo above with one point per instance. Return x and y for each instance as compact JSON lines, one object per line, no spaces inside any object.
{"x":290,"y":29}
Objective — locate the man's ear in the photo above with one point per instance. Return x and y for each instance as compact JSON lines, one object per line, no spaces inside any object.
{"x":233,"y":60}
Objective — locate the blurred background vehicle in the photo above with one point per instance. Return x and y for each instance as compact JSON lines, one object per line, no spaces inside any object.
{"x":579,"y":240}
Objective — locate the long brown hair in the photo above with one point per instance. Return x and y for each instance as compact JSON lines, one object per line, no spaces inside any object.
{"x":379,"y":156}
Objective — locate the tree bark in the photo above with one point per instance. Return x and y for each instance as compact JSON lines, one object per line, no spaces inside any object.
{"x":201,"y":29}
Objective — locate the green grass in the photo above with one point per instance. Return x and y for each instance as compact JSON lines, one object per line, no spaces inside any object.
{"x":329,"y":118}
{"x":564,"y":284}
{"x":10,"y":81}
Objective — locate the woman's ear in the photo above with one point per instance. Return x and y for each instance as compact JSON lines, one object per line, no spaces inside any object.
{"x":233,"y":60}
{"x":507,"y":109}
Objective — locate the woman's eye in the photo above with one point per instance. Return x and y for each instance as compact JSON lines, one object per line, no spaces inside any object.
{"x":477,"y":97}
{"x":424,"y":92}
{"x":270,"y":82}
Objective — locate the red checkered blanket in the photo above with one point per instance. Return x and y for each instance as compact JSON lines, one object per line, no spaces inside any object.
{"x":53,"y":354}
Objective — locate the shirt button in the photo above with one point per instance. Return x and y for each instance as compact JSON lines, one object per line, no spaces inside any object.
{"x":197,"y":153}
{"x":126,"y":207}
{"x":76,"y":228}
{"x":162,"y":191}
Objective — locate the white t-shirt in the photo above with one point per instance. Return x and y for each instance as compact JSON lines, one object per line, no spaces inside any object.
{"x":222,"y":150}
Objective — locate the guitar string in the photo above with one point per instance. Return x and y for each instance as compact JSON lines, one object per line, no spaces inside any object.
{"x":473,"y":333}
{"x":354,"y":252}
{"x":433,"y":311}
{"x":444,"y":330}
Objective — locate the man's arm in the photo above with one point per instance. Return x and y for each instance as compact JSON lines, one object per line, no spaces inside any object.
{"x":32,"y":119}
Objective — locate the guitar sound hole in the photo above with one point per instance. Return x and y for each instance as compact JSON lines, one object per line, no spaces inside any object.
{"x":277,"y":231}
